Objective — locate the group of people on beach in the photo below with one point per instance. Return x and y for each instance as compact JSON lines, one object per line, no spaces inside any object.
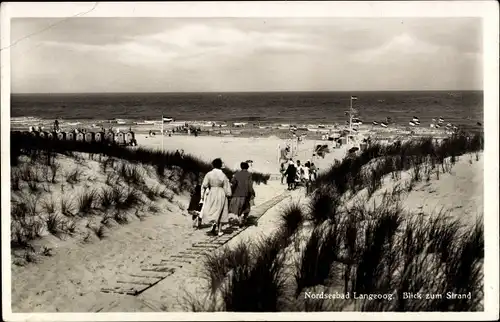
{"x":295,"y":172}
{"x":217,"y":197}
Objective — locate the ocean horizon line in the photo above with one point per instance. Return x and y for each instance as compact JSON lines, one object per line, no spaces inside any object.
{"x":254,"y":92}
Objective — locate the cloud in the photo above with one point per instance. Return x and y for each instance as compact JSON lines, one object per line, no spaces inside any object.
{"x":146,"y":54}
{"x":189,"y":43}
{"x":399,"y":47}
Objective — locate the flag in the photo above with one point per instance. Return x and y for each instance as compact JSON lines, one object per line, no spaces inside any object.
{"x":383,"y":124}
{"x":441,"y":120}
{"x":415,"y":119}
{"x":416,"y":122}
{"x":354,"y":98}
{"x":167,"y":119}
{"x":375,"y":123}
{"x":438,"y":126}
{"x":412,"y":123}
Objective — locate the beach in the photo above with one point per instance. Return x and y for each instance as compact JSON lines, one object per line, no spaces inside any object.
{"x":131,"y":137}
{"x":82,"y":268}
{"x":264,"y":152}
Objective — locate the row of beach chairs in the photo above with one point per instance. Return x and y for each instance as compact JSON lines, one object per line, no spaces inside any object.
{"x":122,"y":138}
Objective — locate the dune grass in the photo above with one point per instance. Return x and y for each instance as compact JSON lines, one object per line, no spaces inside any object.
{"x":247,"y":278}
{"x":367,"y":249}
{"x":22,"y":144}
{"x":348,"y":174}
{"x":35,"y":167}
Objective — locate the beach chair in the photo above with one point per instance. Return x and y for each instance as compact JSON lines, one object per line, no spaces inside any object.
{"x":130,"y":138}
{"x":120,"y":138}
{"x":80,"y":137}
{"x":109,"y":138}
{"x":70,"y":136}
{"x":61,"y":136}
{"x":89,"y":137}
{"x":99,"y":137}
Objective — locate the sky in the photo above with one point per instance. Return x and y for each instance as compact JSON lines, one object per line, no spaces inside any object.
{"x":245,"y":54}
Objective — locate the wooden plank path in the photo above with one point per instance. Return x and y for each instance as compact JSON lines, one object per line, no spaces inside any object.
{"x":151,"y":274}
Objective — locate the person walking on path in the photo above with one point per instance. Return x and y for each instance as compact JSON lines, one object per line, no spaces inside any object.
{"x":215,"y":201}
{"x":291,"y":174}
{"x":314,"y":172}
{"x":242,"y":193}
{"x":283,"y":160}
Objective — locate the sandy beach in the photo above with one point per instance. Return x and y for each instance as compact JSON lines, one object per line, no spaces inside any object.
{"x":263,"y":152}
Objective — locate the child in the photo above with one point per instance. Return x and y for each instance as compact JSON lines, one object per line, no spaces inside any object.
{"x":195,"y":206}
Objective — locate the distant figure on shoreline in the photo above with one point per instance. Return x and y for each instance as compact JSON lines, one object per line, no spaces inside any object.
{"x":56,"y":126}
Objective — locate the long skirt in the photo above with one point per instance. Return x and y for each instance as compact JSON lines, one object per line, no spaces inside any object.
{"x":194,"y":202}
{"x":215,"y":207}
{"x":239,"y":206}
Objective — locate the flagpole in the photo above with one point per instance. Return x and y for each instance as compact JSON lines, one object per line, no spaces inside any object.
{"x":162,"y":133}
{"x":350,"y":121}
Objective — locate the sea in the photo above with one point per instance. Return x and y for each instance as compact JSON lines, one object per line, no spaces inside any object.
{"x":462,"y":108}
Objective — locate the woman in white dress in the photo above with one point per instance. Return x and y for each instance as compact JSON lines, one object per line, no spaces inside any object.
{"x":215,"y":202}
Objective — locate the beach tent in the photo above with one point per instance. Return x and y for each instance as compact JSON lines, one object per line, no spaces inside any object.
{"x":70,"y":136}
{"x":80,"y":137}
{"x":120,"y":138}
{"x":61,"y":136}
{"x":130,"y":137}
{"x":89,"y":137}
{"x":99,"y":137}
{"x":109,"y":137}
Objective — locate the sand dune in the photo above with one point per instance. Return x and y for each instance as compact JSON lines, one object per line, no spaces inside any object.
{"x":70,"y":280}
